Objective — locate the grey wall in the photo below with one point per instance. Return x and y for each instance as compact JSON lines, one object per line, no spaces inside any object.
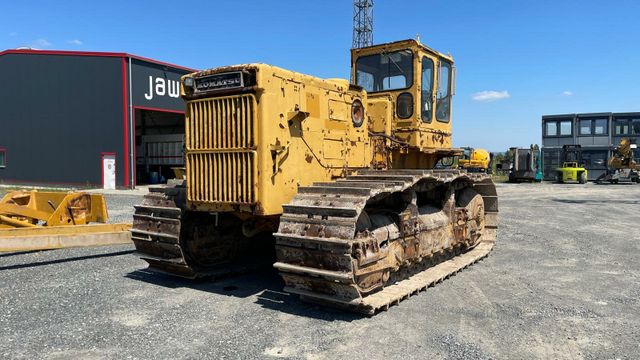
{"x":593,"y":140}
{"x":57,"y":114}
{"x":150,"y":95}
{"x":557,"y":141}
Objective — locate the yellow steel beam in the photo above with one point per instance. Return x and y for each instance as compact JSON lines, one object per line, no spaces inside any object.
{"x":5,"y":220}
{"x":24,"y":211}
{"x":58,"y":237}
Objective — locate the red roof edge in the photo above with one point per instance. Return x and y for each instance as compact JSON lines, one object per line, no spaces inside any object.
{"x":93,"y":53}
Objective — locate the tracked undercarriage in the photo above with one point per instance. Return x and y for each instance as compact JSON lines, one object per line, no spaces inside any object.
{"x":192,"y":244}
{"x":375,"y":238}
{"x":362,"y":243}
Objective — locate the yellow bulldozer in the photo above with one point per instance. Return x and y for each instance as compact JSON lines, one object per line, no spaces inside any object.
{"x":341,"y":175}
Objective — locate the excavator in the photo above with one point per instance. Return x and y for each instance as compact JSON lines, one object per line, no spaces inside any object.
{"x":341,"y":176}
{"x":622,"y":166}
{"x":475,"y":160}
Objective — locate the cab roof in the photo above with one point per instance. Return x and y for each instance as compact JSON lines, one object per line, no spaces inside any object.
{"x":398,"y":45}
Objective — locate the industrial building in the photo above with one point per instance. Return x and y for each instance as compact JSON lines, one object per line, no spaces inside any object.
{"x":89,"y":119}
{"x":597,"y":133}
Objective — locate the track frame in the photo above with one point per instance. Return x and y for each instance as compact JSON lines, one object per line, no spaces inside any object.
{"x":320,"y":254}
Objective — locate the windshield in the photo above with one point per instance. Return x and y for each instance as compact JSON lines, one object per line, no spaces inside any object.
{"x":386,"y":71}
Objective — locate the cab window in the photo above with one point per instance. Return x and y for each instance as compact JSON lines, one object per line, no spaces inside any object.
{"x":427,"y":89}
{"x":443,"y":96}
{"x":386,"y":71}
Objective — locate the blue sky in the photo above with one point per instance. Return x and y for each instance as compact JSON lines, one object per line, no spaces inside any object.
{"x":516,"y":60}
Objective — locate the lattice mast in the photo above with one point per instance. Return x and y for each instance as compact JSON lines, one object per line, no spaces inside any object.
{"x":362,"y":23}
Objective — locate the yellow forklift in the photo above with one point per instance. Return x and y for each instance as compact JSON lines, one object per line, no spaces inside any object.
{"x":572,"y":166}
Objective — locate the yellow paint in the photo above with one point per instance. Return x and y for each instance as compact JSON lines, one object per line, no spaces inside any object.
{"x":30,"y":208}
{"x":478,"y":159}
{"x":39,"y":220}
{"x":249,"y":148}
{"x":58,"y":237}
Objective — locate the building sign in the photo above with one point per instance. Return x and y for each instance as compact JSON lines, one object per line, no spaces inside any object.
{"x":162,"y":87}
{"x":156,"y":86}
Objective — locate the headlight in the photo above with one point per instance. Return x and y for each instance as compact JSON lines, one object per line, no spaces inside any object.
{"x":188,"y":82}
{"x":357,"y":113}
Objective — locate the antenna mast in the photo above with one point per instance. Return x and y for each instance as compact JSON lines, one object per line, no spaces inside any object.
{"x":362,"y":23}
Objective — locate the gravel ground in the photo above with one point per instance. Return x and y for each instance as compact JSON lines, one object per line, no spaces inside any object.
{"x":120,"y":207}
{"x":562,"y":283}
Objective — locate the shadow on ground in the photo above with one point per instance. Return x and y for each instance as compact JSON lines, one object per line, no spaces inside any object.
{"x":596,"y":201}
{"x":264,"y":283}
{"x":58,"y":261}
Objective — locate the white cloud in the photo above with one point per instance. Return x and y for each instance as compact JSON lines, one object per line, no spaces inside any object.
{"x":75,"y":42}
{"x":567,"y":93}
{"x":39,"y":44}
{"x":490,"y":95}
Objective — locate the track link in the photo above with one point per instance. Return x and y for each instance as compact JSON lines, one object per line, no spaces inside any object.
{"x":175,"y":241}
{"x":323,"y":259}
{"x":187,"y":244}
{"x":156,"y":231}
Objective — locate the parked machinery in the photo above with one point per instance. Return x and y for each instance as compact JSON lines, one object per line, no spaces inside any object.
{"x":572,"y":165}
{"x":526,"y":165}
{"x":622,"y":168}
{"x":475,"y":160}
{"x":38,"y":220}
{"x":342,"y":174}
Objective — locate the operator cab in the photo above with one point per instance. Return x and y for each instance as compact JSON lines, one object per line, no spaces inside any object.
{"x":466,"y":154}
{"x":419,"y":78}
{"x":418,"y":82}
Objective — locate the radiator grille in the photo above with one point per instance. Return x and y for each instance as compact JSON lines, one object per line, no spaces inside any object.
{"x":222,"y":177}
{"x":221,"y":156}
{"x":221,"y":123}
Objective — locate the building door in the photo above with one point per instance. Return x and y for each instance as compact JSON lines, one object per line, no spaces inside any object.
{"x":108,"y":171}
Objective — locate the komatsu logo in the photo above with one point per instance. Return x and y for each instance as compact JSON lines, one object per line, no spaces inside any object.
{"x":162,"y":87}
{"x":220,"y":81}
